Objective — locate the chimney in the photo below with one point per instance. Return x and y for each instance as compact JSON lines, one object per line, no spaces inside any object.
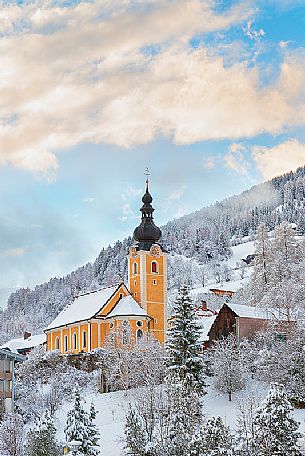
{"x":26,"y":335}
{"x":204,"y":305}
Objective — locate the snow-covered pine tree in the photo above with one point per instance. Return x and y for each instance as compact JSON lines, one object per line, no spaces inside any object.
{"x":217,"y":439}
{"x":41,"y":441}
{"x":184,"y":419}
{"x":94,"y":435}
{"x":183,"y":347}
{"x":78,"y":426}
{"x":136,"y":439}
{"x":262,"y":261}
{"x":275,"y":430}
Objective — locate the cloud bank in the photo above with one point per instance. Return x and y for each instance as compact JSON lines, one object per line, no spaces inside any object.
{"x":124,"y":73}
{"x":280,"y":159}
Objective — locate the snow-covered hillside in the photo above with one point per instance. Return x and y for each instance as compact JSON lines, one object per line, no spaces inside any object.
{"x":112,"y":408}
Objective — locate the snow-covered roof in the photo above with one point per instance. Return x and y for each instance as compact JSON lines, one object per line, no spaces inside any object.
{"x":127,"y":306}
{"x":25,"y":344}
{"x":254,"y":312}
{"x":248,"y":311}
{"x":205,"y":325}
{"x":83,"y":307}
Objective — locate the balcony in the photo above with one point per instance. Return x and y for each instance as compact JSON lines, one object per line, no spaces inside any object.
{"x":5,"y":394}
{"x":6,"y":376}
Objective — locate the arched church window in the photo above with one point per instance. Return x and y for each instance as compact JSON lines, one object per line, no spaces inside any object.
{"x":139,"y":323}
{"x":84,"y":339}
{"x":139,"y":334}
{"x":57,"y":343}
{"x":135,"y":268}
{"x":66,"y":343}
{"x":154,"y":266}
{"x":74,"y":341}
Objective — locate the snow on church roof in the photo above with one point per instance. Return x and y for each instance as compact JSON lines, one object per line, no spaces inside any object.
{"x":83,"y":307}
{"x":127,"y":306}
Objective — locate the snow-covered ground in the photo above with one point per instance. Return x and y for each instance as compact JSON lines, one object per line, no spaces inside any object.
{"x":241,"y":251}
{"x":239,"y":278}
{"x":112,"y":408}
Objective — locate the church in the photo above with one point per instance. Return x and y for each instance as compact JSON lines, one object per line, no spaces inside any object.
{"x":124,"y":311}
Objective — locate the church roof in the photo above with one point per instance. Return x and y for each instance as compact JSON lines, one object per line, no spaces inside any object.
{"x":83,"y":307}
{"x":86,"y":306}
{"x":127,"y":306}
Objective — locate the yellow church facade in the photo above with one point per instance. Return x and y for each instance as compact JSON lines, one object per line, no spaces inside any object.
{"x":125,"y":313}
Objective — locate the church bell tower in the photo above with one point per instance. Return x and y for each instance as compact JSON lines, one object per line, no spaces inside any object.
{"x":147,"y":269}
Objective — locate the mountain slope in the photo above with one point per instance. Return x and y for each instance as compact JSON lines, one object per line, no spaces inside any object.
{"x":205,"y":236}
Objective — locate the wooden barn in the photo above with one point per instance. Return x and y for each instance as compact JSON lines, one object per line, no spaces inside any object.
{"x":243,"y":321}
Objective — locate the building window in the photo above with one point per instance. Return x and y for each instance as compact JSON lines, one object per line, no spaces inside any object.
{"x":120,"y":295}
{"x":135,"y":268}
{"x":135,"y":283}
{"x":139,"y":323}
{"x":139,"y":334}
{"x":154,"y":282}
{"x":66,"y":343}
{"x":135,"y":294}
{"x":74,"y":341}
{"x":111,"y":326}
{"x":84,"y":339}
{"x":57,"y":343}
{"x":154,"y":267}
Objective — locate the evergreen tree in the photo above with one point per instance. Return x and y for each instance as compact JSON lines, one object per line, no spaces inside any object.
{"x":136,"y":435}
{"x":275,"y":430}
{"x":217,"y":439}
{"x":183,"y":347}
{"x":184,"y":419}
{"x":79,"y":427}
{"x":94,"y":434}
{"x":42,"y":439}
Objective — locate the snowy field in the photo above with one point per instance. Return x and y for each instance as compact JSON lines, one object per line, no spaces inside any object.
{"x":113,"y":406}
{"x":241,"y":251}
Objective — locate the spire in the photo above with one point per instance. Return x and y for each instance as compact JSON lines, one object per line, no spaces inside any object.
{"x":147,"y":173}
{"x":147,"y":233}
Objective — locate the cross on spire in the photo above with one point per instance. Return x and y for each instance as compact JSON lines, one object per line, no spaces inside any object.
{"x":147,"y":173}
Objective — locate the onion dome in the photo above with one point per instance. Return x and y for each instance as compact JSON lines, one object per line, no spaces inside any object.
{"x":147,"y":233}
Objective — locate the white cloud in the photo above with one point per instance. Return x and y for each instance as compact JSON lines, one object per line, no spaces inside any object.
{"x":15,"y":252}
{"x":235,"y":159}
{"x":280,"y":159}
{"x":209,"y":163}
{"x":79,"y":74}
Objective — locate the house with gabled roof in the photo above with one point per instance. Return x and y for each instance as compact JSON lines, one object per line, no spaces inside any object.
{"x":135,"y":309}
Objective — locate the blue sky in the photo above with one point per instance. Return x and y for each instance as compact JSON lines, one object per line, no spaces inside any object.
{"x":209,"y":95}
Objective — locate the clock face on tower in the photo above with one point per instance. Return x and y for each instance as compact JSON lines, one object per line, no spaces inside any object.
{"x":155,"y":250}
